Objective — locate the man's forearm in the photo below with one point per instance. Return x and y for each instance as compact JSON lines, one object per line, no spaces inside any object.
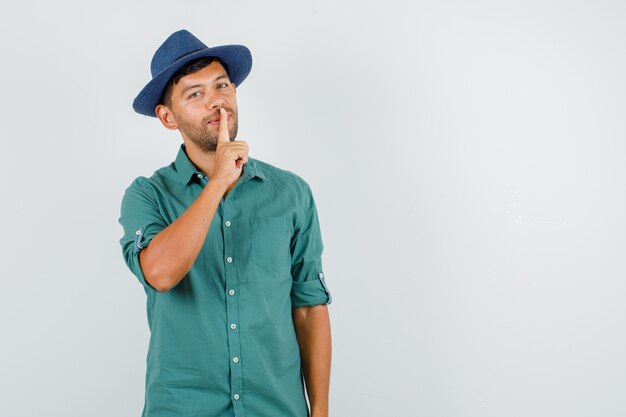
{"x":312,"y":325}
{"x":172,"y":252}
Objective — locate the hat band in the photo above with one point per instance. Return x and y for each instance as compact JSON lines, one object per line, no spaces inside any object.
{"x":179,"y":58}
{"x":188,"y":53}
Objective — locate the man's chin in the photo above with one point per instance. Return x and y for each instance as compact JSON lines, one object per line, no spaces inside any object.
{"x":204,"y":145}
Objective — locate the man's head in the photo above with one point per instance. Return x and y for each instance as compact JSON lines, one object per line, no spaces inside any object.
{"x":191,"y":102}
{"x":178,"y":50}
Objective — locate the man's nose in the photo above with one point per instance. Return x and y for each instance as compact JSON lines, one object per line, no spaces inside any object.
{"x":215,"y":101}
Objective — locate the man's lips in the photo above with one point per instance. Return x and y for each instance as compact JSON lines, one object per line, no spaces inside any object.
{"x":216,"y":120}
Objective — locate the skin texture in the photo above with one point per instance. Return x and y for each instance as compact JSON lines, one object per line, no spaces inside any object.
{"x":197,"y":99}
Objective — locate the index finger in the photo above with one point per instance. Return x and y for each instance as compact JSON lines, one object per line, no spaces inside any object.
{"x":222,"y":135}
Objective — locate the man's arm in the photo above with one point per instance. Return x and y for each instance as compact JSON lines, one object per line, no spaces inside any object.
{"x":173,"y":251}
{"x":312,"y":325}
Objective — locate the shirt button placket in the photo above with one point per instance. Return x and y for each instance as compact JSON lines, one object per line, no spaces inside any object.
{"x":232,"y":309}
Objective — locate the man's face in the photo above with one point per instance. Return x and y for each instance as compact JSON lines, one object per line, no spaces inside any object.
{"x":195,"y":105}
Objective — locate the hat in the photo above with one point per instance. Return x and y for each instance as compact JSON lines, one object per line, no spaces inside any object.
{"x":180,"y":48}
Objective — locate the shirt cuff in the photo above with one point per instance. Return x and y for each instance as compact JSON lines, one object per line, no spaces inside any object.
{"x":310,"y":293}
{"x":141,"y":241}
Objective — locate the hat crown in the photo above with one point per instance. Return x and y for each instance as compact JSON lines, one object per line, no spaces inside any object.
{"x":176,"y":46}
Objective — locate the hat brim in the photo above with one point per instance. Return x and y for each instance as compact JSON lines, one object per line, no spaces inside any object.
{"x":237,"y":61}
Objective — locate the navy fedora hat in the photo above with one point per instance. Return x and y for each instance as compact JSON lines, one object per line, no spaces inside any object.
{"x":180,"y":48}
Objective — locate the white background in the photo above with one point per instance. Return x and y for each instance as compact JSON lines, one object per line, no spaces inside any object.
{"x":467,"y":160}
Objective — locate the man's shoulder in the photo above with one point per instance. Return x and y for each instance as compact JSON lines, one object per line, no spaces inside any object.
{"x":156,"y":180}
{"x":281,"y":176}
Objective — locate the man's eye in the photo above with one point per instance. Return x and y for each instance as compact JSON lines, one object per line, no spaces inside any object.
{"x":192,"y":95}
{"x":224,"y":84}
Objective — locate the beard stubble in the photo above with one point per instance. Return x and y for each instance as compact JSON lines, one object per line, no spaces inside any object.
{"x":205,"y":135}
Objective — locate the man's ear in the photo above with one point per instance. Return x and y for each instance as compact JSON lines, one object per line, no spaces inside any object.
{"x":234,"y":87}
{"x":166,"y":117}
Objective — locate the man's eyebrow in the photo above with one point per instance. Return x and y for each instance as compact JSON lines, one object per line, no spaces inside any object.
{"x":219,"y":77}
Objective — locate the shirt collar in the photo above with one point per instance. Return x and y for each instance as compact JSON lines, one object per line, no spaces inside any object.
{"x":186,"y":171}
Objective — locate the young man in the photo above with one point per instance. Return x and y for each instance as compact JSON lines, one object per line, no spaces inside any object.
{"x":228,"y":249}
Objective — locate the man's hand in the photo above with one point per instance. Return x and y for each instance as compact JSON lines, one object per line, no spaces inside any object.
{"x":230,"y":157}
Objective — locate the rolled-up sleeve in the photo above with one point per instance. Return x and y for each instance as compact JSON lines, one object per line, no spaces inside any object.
{"x":309,"y":286}
{"x":141,"y":220}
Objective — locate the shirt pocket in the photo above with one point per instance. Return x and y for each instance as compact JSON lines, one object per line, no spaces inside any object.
{"x":271,"y":243}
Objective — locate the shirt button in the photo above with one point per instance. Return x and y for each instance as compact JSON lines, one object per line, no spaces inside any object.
{"x":199,"y":175}
{"x":236,"y":396}
{"x":233,"y":326}
{"x":227,"y":223}
{"x":229,"y":259}
{"x":235,"y":360}
{"x":231,"y":292}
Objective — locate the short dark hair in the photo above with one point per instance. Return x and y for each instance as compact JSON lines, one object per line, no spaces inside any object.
{"x":189,"y":68}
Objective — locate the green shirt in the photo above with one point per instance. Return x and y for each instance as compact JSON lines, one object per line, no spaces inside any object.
{"x":222,"y":341}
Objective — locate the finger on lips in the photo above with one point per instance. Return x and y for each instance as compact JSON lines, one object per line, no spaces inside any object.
{"x":223,"y":131}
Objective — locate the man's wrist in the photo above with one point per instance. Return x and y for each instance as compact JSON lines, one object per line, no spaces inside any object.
{"x":218,"y":185}
{"x":319,"y":411}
